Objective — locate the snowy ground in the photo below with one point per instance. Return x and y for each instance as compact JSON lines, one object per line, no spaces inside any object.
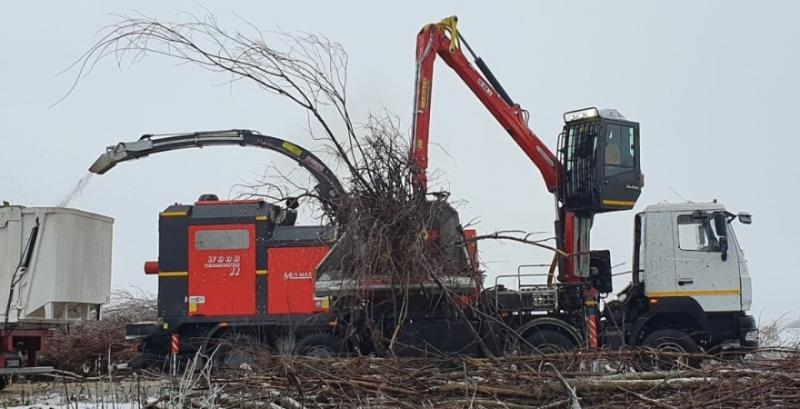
{"x":59,"y":403}
{"x":790,"y":336}
{"x":124,"y":394}
{"x":780,"y":333}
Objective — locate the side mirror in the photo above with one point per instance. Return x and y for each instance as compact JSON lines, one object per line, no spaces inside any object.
{"x":723,"y":247}
{"x":721,"y":224}
{"x":745,"y":218}
{"x":600,"y":265}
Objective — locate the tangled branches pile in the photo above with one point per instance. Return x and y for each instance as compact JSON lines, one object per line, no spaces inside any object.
{"x":385,"y":225}
{"x":770,"y":378}
{"x":91,"y":346}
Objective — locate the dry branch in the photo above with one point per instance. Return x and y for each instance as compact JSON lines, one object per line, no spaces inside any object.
{"x":86,"y":347}
{"x":765,"y":380}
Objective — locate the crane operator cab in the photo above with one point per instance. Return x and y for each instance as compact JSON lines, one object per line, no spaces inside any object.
{"x":599,"y":150}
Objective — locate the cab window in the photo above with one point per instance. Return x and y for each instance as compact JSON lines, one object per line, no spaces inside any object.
{"x":582,"y":144}
{"x":697,"y":234}
{"x":620,"y":155}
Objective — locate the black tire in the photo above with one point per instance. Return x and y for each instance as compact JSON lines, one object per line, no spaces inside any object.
{"x":546,"y":341}
{"x":237,"y":350}
{"x":669,"y":341}
{"x":549,"y":341}
{"x":320,"y":346}
{"x":3,"y":382}
{"x":614,"y":313}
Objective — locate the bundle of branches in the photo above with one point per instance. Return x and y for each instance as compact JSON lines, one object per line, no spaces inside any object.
{"x":769,"y":378}
{"x":91,"y":346}
{"x":390,"y":236}
{"x":384,"y":226}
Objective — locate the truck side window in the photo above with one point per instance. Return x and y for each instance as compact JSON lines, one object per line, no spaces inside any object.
{"x":697,"y":234}
{"x":222,"y":239}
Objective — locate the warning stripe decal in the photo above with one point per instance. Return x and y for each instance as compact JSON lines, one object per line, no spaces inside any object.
{"x":624,"y":203}
{"x":696,"y":293}
{"x":173,"y":274}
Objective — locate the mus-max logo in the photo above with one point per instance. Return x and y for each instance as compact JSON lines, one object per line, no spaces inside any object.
{"x":298,"y":275}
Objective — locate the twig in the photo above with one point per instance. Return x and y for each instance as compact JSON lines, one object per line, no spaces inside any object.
{"x":651,"y":401}
{"x":573,"y":397}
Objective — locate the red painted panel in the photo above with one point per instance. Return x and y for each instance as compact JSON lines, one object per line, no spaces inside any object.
{"x":30,"y":337}
{"x":222,"y":281}
{"x":291,"y":273}
{"x":472,"y":245}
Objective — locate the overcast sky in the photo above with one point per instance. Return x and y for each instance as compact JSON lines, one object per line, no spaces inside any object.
{"x":714,"y":85}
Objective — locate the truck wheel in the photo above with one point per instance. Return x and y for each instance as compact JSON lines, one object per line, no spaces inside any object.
{"x":238,"y":351}
{"x":547,"y":341}
{"x":614,"y":312}
{"x":3,"y":382}
{"x":670,"y":341}
{"x":319,"y":345}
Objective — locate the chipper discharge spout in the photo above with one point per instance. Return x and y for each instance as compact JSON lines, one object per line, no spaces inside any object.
{"x":328,"y":186}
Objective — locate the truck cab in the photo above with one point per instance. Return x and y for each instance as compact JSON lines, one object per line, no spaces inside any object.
{"x":691,"y":286}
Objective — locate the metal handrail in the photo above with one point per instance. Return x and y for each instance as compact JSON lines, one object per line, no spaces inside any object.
{"x":518,"y":276}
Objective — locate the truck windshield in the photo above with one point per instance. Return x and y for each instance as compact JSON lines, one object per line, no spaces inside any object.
{"x":733,"y":238}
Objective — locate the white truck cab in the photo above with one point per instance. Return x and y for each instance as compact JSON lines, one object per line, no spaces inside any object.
{"x":682,"y":254}
{"x":691,"y":286}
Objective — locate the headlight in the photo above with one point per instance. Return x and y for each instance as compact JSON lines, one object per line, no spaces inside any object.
{"x":751,"y":336}
{"x":581,"y":114}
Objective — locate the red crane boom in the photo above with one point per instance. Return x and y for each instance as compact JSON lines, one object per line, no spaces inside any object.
{"x":444,"y":40}
{"x":433,"y":40}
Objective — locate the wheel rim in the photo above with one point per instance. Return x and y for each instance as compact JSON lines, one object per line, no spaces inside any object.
{"x":319,"y":351}
{"x":236,"y":358}
{"x":560,"y":362}
{"x":660,"y":361}
{"x":539,"y":344}
{"x":669,"y":346}
{"x":548,"y":348}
